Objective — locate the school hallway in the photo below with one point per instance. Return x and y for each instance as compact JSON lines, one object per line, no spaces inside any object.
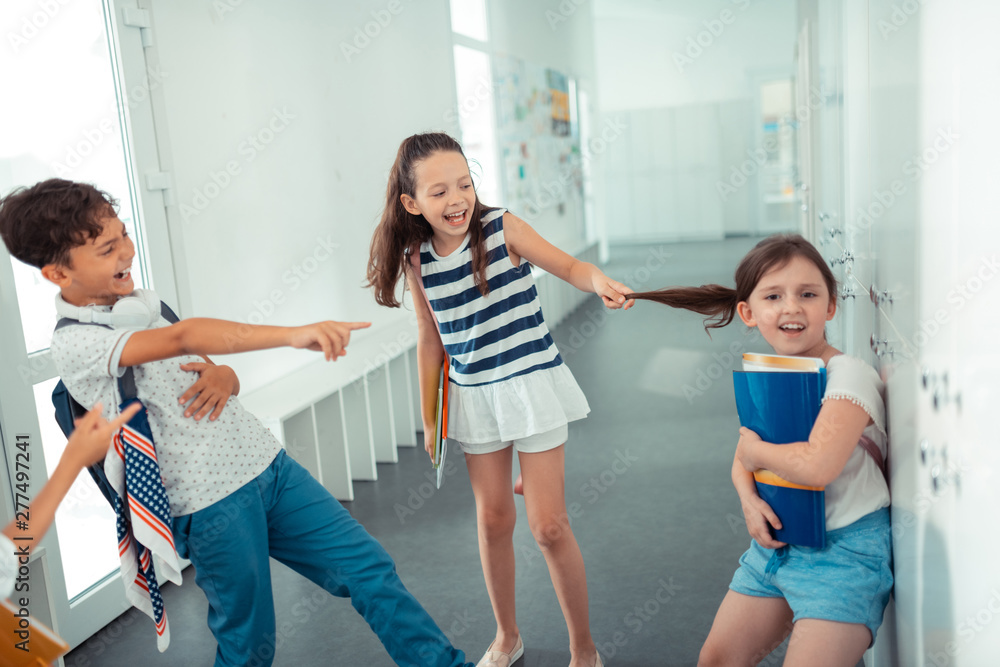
{"x":647,"y":489}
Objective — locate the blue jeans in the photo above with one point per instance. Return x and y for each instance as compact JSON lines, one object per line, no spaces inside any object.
{"x":287,"y":515}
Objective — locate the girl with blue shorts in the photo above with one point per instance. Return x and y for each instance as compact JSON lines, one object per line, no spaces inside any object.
{"x":509,"y":387}
{"x":831,"y":600}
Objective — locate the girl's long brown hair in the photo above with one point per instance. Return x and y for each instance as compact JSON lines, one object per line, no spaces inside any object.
{"x":718,"y":303}
{"x":400,"y":232}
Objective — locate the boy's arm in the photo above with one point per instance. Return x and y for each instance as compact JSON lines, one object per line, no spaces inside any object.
{"x":203,"y":336}
{"x":87,"y":445}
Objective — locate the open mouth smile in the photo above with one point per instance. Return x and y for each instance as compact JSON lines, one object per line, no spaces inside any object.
{"x":456,"y":219}
{"x":793,"y":329}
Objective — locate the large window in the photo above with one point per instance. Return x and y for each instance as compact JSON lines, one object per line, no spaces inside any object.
{"x":476,"y":101}
{"x":64,"y":119}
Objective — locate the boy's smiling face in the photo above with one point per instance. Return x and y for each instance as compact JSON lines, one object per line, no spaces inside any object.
{"x":791,"y":306}
{"x":99,"y":270}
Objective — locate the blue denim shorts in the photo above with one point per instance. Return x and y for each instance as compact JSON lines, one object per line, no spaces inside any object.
{"x":847,"y":581}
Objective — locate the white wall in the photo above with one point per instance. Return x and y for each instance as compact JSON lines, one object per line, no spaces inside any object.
{"x":266,"y":232}
{"x":700,"y":99}
{"x":636,"y":42}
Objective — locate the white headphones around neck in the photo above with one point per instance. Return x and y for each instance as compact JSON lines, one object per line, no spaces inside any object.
{"x":139,"y":311}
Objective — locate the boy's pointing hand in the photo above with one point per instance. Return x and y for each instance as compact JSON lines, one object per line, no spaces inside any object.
{"x":329,"y":337}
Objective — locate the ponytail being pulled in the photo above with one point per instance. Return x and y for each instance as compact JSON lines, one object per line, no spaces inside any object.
{"x":718,"y":303}
{"x":714,"y":301}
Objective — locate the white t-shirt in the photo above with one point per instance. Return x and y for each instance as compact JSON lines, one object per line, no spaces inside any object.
{"x":201,"y":462}
{"x":860,"y":488}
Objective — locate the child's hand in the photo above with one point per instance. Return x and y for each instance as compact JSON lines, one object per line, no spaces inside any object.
{"x":759,"y":516}
{"x":429,"y":442}
{"x":330,"y":337}
{"x":90,"y":440}
{"x":744,"y":448}
{"x":612,"y":292}
{"x":210,"y":392}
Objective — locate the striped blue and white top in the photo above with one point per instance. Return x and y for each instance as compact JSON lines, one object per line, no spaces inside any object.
{"x":493,"y":338}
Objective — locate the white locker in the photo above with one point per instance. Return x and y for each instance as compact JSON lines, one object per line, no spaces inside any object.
{"x":914,"y":122}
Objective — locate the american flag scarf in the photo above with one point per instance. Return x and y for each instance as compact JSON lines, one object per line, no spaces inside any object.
{"x":144,"y":520}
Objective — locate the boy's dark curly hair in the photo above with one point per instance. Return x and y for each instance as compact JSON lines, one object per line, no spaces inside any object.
{"x":41,"y":224}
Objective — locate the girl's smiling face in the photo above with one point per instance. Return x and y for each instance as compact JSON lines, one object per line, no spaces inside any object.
{"x":444,"y":195}
{"x":791,"y":305}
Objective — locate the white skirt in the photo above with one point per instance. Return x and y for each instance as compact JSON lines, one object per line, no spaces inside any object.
{"x":516,"y":408}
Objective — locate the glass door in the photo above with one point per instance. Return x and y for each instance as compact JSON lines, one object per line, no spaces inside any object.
{"x":71,"y":120}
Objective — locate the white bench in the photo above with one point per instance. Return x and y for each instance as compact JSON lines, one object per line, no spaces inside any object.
{"x":339,"y":419}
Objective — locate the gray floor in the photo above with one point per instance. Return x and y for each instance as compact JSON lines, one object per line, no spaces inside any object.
{"x":647,"y":473}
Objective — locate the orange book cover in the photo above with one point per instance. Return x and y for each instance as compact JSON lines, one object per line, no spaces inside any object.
{"x":27,"y":642}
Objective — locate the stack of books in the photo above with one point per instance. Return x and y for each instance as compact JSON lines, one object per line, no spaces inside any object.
{"x":779,"y":398}
{"x":441,"y":423}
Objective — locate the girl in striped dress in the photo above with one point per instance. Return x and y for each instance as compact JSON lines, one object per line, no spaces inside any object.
{"x":509,"y":386}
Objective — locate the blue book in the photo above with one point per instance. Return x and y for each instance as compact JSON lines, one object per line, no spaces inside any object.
{"x":781,"y":406}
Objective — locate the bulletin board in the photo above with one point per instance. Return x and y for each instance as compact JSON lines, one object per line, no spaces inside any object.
{"x":539,"y":144}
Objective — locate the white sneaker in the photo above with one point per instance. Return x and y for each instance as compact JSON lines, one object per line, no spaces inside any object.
{"x":501,"y":659}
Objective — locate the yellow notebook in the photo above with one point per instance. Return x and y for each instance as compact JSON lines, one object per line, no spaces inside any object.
{"x":441,"y":423}
{"x":25,"y":641}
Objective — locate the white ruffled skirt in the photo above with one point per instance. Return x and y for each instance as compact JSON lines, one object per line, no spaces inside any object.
{"x":516,"y":408}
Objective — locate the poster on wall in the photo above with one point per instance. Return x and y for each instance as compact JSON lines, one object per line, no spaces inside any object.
{"x":539,"y":149}
{"x":559,"y":91}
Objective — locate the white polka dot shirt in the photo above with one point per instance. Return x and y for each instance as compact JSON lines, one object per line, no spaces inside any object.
{"x":201,"y":462}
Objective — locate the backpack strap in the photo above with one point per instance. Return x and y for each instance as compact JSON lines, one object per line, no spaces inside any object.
{"x":168,"y":314}
{"x":126,"y":382}
{"x":869,"y":446}
{"x":68,"y":410}
{"x":876,"y":454}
